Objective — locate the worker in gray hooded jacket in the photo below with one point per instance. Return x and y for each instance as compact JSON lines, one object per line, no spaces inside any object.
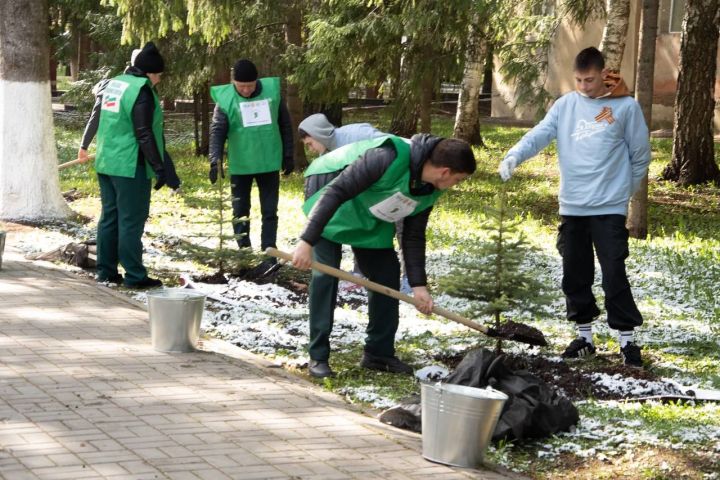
{"x":321,"y":136}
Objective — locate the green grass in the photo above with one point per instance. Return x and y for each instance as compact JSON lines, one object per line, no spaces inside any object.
{"x":676,"y":267}
{"x":63,"y":82}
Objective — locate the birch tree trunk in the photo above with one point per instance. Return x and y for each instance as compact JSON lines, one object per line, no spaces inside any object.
{"x":637,"y":215}
{"x":615,"y":33}
{"x":467,"y":123}
{"x":693,"y":156}
{"x":29,"y":182}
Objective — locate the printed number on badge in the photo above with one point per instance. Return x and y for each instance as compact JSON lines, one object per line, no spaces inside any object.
{"x":394,"y":208}
{"x":255,"y":113}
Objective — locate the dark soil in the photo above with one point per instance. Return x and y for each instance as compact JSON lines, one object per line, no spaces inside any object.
{"x":574,"y":381}
{"x":451,"y":361}
{"x":294,"y":280}
{"x":217,"y":278}
{"x":72,"y":195}
{"x":519,"y":332}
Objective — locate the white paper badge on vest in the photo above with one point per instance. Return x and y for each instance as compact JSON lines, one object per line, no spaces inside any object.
{"x":255,"y":113}
{"x":394,"y":208}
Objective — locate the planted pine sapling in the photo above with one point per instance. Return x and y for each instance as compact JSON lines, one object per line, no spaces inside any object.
{"x":224,"y":255}
{"x":490,"y":274}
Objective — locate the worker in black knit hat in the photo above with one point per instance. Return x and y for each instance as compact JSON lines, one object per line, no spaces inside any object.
{"x":130,"y":152}
{"x":252,"y":116}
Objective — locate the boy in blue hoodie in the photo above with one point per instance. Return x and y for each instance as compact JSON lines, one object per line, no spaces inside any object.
{"x":603,"y":152}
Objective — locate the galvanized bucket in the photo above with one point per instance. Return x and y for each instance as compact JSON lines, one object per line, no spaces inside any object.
{"x":2,"y":246}
{"x":458,"y":422}
{"x":175,"y":316}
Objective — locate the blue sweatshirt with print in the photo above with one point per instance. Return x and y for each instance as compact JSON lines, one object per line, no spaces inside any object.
{"x":603,"y":151}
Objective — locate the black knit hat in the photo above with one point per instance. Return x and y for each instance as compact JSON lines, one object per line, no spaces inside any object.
{"x":245,"y":71}
{"x":149,"y":59}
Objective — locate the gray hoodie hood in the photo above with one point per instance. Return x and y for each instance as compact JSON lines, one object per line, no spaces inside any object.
{"x":319,"y":128}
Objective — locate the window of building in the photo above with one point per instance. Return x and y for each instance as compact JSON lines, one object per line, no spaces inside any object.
{"x":677,"y":12}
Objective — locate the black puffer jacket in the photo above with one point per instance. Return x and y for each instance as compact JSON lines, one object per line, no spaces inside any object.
{"x":358,"y":177}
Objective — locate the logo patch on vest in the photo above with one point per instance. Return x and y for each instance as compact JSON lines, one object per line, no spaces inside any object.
{"x":112,"y":95}
{"x":255,"y":113}
{"x":394,"y":208}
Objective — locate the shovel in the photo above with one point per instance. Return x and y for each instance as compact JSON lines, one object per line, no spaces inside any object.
{"x":513,"y":331}
{"x":75,"y":162}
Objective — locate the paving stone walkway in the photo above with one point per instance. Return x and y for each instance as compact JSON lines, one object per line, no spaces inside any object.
{"x":84,"y":395}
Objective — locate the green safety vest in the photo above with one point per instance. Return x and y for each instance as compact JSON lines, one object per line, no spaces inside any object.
{"x":368,"y":220}
{"x":117,"y":146}
{"x":254,"y":142}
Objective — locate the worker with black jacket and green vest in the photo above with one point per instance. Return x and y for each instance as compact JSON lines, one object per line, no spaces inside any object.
{"x":252,"y":116}
{"x":130,"y":152}
{"x":354,"y":195}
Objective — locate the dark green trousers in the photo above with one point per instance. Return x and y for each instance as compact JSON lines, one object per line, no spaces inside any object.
{"x":125,"y":208}
{"x":379,"y":265}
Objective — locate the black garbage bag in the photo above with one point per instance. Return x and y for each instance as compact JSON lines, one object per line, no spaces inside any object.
{"x":533,"y":409}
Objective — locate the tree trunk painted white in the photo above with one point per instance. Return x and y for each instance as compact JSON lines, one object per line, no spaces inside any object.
{"x":467,"y":125}
{"x":615,"y":33}
{"x":29,"y":181}
{"x":637,"y":220}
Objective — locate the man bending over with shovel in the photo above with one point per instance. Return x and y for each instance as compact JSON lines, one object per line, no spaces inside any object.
{"x":354,"y":196}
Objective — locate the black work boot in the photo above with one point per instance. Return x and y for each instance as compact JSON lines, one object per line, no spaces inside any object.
{"x":117,"y":279}
{"x":320,"y":369}
{"x":385,"y":364}
{"x":146,"y":282}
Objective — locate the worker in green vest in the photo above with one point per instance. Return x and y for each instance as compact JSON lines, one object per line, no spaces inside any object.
{"x":252,"y":116}
{"x":130,"y":152}
{"x":354,"y":196}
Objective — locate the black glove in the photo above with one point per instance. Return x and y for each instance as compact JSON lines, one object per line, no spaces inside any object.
{"x":160,"y":179}
{"x":173,"y":182}
{"x":171,"y":177}
{"x":288,"y":165}
{"x":213,"y":173}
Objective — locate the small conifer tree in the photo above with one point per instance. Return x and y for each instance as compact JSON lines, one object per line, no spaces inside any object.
{"x":490,"y":274}
{"x":224,"y":255}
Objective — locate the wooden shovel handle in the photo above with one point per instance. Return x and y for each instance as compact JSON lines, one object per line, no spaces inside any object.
{"x":376,"y":287}
{"x":75,"y":162}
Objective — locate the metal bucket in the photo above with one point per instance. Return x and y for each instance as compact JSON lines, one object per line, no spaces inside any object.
{"x":2,"y":246}
{"x":458,"y":422}
{"x":175,"y":316}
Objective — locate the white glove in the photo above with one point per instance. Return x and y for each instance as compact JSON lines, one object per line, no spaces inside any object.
{"x":506,"y":167}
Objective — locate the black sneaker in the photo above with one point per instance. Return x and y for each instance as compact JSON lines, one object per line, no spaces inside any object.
{"x":117,"y":278}
{"x":385,"y":364}
{"x":631,"y":355}
{"x":146,"y":282}
{"x":579,"y":348}
{"x":319,"y":369}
